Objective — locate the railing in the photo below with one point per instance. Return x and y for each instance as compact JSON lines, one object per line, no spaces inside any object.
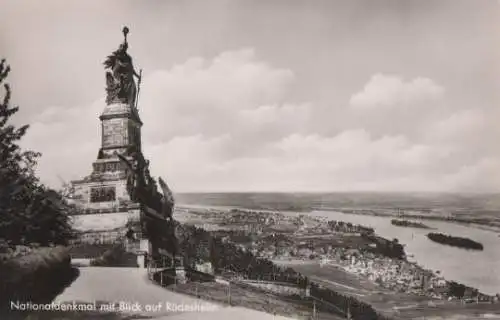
{"x":278,"y":283}
{"x":318,"y":308}
{"x":205,"y":290}
{"x":269,"y":277}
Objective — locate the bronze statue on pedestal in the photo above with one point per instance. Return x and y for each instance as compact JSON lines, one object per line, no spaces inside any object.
{"x":120,"y":81}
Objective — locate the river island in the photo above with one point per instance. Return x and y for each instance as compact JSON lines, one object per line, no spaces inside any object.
{"x":455,"y":241}
{"x":409,"y":224}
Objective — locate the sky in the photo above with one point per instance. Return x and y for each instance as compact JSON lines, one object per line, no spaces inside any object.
{"x":240,"y":95}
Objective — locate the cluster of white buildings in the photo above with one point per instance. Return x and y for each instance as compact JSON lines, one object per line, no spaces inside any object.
{"x":396,"y":275}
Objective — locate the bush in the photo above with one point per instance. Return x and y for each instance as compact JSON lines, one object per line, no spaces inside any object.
{"x":31,"y":215}
{"x":37,"y":277}
{"x":29,"y":211}
{"x":116,"y":257}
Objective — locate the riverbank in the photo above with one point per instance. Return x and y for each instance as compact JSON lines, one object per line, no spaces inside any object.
{"x":479,"y":272}
{"x":395,"y":275}
{"x":394,"y":304}
{"x":338,"y":260}
{"x":480,"y":223}
{"x":409,"y":277}
{"x":487,"y":224}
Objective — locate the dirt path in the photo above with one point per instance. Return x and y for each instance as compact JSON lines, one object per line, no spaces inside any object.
{"x":130,"y":286}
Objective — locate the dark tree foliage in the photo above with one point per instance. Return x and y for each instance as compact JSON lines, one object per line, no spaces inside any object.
{"x":410,"y":224}
{"x":226,"y":256}
{"x":456,"y":289}
{"x":29,"y":211}
{"x":344,"y":304}
{"x":390,"y":249}
{"x":455,"y":241}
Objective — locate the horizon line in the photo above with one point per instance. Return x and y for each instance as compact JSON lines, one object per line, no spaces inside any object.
{"x":341,"y":192}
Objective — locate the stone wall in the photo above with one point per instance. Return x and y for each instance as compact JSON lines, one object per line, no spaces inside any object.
{"x":101,"y":237}
{"x":104,"y":221}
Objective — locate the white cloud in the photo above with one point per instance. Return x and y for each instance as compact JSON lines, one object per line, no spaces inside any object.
{"x":392,"y":91}
{"x":458,"y":125}
{"x":208,"y":96}
{"x":483,"y":176}
{"x":225,"y":124}
{"x":352,"y":159}
{"x":68,"y":138}
{"x":186,"y":110}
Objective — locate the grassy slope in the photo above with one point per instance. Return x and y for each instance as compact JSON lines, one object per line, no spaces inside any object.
{"x":253,"y":299}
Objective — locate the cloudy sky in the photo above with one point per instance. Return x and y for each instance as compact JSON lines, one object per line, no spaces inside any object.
{"x":270,"y":95}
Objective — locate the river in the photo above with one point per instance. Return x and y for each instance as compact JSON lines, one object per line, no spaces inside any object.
{"x":478,"y":269}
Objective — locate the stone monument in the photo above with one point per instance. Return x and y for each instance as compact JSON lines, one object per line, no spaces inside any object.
{"x":105,"y":194}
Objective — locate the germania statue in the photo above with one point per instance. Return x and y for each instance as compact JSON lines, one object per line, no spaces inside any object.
{"x":120,"y":77}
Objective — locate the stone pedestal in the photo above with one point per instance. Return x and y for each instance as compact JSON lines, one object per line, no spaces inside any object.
{"x":180,"y":274}
{"x":105,"y":189}
{"x":144,"y":245}
{"x":307,"y":291}
{"x":141,"y":260}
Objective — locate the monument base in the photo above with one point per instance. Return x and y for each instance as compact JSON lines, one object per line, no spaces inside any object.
{"x":180,"y":275}
{"x":141,"y":260}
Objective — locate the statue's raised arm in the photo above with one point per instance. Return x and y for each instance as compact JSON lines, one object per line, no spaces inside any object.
{"x":125,"y":32}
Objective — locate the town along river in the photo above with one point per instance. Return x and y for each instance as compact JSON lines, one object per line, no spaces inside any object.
{"x":478,"y":269}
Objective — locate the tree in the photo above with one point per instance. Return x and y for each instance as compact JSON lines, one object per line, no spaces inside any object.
{"x":29,"y":211}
